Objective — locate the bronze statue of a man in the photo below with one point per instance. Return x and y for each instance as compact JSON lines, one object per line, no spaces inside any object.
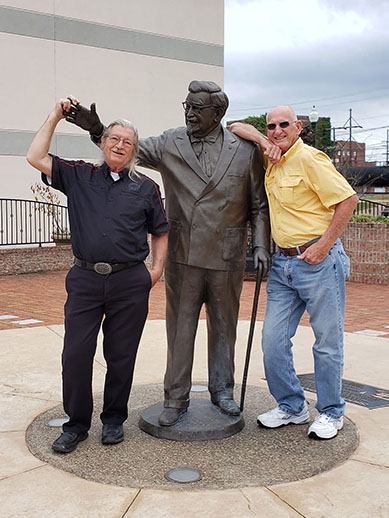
{"x":213,"y":185}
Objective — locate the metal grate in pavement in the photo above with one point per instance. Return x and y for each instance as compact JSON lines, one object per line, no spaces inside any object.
{"x":353,"y":392}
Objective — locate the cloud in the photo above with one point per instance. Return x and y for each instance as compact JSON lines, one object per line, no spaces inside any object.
{"x":280,"y":24}
{"x":329,"y":53}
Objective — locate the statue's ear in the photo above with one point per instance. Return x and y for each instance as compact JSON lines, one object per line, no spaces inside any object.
{"x":219,"y":114}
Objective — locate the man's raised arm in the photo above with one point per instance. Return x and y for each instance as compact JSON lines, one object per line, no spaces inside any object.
{"x":38,"y":153}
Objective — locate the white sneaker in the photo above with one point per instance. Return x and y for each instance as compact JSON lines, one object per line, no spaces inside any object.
{"x":325,"y":427}
{"x":277,"y":417}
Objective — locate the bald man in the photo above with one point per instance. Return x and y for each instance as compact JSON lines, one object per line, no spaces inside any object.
{"x":310,"y":204}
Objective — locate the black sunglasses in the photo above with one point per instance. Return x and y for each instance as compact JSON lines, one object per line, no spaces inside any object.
{"x":283,"y":125}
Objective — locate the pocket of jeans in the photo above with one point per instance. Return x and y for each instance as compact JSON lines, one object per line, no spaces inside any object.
{"x":319,"y":263}
{"x":345,"y":260}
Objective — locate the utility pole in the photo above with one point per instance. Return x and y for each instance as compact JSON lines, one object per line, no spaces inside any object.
{"x":347,"y":125}
{"x":350,"y":127}
{"x":387,"y":147}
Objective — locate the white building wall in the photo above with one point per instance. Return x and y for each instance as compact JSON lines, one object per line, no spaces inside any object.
{"x":134,"y":58}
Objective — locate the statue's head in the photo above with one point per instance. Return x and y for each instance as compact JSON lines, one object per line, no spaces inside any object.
{"x":205,"y":106}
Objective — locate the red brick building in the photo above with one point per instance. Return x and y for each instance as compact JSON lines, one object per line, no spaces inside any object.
{"x":350,"y":153}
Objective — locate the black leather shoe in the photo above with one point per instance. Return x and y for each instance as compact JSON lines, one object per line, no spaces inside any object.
{"x":68,"y":441}
{"x":170,"y":416}
{"x":227,"y":406}
{"x":112,"y":433}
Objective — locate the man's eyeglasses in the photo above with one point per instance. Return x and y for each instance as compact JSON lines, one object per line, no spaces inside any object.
{"x":282,"y":125}
{"x":115,"y":140}
{"x":195,"y":107}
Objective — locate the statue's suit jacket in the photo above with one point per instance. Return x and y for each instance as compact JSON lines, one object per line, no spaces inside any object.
{"x":208,"y":216}
{"x":208,"y":230}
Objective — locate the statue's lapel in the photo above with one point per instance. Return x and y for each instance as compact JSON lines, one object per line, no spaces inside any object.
{"x":230,"y":146}
{"x":186,"y":151}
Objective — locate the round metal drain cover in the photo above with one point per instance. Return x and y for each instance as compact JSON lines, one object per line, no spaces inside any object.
{"x":199,"y":388}
{"x":58,"y":422}
{"x":183,"y":475}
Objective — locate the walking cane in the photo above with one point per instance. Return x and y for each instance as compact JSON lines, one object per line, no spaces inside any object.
{"x":251,"y":333}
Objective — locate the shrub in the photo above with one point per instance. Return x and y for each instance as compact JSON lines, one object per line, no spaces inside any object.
{"x":365,"y":218}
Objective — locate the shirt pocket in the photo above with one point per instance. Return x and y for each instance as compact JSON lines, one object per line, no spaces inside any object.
{"x":290,"y":190}
{"x":131,"y":209}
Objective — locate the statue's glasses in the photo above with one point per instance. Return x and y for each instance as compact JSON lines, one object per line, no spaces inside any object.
{"x":282,"y":125}
{"x":196,"y":108}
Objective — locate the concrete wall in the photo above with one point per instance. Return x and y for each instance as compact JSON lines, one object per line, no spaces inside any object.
{"x":133,"y":58}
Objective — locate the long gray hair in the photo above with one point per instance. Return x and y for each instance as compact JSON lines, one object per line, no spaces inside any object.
{"x":134,"y":159}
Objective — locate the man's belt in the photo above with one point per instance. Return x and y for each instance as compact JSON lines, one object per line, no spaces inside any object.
{"x":296,"y":250}
{"x":103,"y":268}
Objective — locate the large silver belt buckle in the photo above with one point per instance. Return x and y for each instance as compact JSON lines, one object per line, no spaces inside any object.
{"x":103,"y":268}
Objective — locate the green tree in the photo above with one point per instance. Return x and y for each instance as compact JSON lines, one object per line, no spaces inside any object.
{"x":257,"y":122}
{"x":323,"y":136}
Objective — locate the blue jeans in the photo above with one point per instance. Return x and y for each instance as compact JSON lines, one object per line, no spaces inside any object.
{"x":293,"y":286}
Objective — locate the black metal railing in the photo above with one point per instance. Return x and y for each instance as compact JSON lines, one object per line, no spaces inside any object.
{"x":28,"y":222}
{"x":371,"y":208}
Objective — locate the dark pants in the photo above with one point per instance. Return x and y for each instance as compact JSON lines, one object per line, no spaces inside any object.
{"x":122,"y":298}
{"x":187,"y":289}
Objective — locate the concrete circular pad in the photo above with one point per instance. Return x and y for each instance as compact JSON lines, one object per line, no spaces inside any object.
{"x":203,"y":421}
{"x":253,"y":457}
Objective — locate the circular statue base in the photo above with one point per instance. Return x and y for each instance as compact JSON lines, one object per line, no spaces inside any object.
{"x":203,"y":421}
{"x":254,"y":457}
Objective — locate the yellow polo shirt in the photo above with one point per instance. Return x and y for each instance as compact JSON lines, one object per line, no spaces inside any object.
{"x":303,"y":189}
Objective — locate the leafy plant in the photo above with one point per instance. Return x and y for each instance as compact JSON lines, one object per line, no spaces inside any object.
{"x":48,"y":203}
{"x":365,"y":218}
{"x":258,"y":122}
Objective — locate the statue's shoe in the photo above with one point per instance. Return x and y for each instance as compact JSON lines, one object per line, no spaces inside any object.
{"x":170,"y":416}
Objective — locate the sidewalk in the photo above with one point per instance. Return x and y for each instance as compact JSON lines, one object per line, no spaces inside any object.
{"x":30,"y":384}
{"x":29,"y":296}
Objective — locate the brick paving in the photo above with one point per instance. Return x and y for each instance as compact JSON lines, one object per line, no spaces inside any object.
{"x":41,"y":296}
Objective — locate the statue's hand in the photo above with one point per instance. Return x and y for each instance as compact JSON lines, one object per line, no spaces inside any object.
{"x":85,"y":118}
{"x":261,"y":254}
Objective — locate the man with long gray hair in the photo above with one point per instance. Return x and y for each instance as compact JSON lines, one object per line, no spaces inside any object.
{"x":111,"y":210}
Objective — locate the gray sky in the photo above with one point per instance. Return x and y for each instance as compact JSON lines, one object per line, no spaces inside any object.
{"x":333,"y":54}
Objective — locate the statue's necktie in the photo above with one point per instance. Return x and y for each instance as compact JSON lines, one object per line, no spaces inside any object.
{"x":201,"y":148}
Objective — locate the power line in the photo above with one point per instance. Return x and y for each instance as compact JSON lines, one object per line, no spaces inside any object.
{"x":253,"y":107}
